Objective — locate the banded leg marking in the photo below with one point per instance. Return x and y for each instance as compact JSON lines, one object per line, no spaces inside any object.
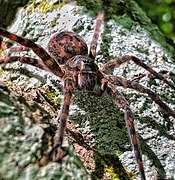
{"x":27,"y":60}
{"x":117,"y":62}
{"x":120,"y":81}
{"x":93,"y":46}
{"x":63,"y":117}
{"x":123,"y":104}
{"x":37,"y":49}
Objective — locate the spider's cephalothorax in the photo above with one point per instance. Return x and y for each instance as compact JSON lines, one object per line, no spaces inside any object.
{"x":64,"y":45}
{"x":83,"y":71}
{"x":69,"y":60}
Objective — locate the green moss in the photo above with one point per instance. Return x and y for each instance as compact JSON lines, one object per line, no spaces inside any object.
{"x":126,"y":14}
{"x":21,"y":143}
{"x":105,"y":46}
{"x":54,"y":22}
{"x":54,"y":98}
{"x":110,"y":166}
{"x":2,"y":53}
{"x":7,"y":106}
{"x":92,"y":6}
{"x":78,"y":28}
{"x":1,"y":71}
{"x":124,"y":20}
{"x":45,"y":5}
{"x":113,"y":175}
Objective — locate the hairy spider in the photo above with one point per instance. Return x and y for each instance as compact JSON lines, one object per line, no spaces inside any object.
{"x":68,"y":58}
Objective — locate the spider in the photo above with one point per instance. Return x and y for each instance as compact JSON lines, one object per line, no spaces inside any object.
{"x":68,"y":58}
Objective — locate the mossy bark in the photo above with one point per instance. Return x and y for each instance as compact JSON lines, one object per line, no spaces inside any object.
{"x":97,"y":132}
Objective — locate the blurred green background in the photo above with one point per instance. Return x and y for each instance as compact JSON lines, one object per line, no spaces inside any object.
{"x":162,"y":13}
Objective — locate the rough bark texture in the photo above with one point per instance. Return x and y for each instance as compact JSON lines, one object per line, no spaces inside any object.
{"x":29,"y":99}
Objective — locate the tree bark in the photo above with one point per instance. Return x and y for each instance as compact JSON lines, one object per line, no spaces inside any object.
{"x":30,"y":100}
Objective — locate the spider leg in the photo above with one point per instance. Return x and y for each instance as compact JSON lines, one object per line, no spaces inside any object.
{"x":37,"y":49}
{"x":120,"y":81}
{"x":2,"y":44}
{"x":27,"y":60}
{"x":110,"y":65}
{"x":93,"y":46}
{"x":63,"y":118}
{"x":17,"y":49}
{"x":123,"y":104}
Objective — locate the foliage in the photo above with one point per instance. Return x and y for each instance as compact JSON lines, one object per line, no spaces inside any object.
{"x":162,"y":13}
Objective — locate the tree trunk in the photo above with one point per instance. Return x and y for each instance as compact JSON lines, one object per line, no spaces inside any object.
{"x":30,"y":99}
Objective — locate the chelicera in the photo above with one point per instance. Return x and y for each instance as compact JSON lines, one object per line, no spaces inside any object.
{"x":68,"y":58}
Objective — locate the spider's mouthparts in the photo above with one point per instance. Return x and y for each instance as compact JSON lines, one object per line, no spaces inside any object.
{"x":86,"y":82}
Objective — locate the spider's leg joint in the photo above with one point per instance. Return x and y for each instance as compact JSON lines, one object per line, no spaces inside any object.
{"x":104,"y":83}
{"x":137,"y":78}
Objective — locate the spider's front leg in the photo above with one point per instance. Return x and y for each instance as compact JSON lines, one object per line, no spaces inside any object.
{"x":68,"y":88}
{"x":17,"y":49}
{"x":2,"y":44}
{"x":93,"y":46}
{"x":123,"y":104}
{"x":110,"y":65}
{"x":31,"y":61}
{"x":27,"y":60}
{"x":51,"y":63}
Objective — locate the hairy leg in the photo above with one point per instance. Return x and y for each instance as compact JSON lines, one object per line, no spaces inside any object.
{"x":27,"y":60}
{"x":17,"y":49}
{"x":37,"y":49}
{"x":2,"y":44}
{"x":63,"y":118}
{"x":93,"y":46}
{"x":120,"y":81}
{"x":110,"y":65}
{"x":123,"y":104}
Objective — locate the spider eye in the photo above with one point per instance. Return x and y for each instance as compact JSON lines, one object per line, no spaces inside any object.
{"x":85,"y":72}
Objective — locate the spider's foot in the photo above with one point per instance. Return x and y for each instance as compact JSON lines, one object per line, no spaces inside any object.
{"x":57,"y":154}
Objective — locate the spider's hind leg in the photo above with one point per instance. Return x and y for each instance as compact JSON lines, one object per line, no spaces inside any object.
{"x":27,"y":60}
{"x":110,"y":65}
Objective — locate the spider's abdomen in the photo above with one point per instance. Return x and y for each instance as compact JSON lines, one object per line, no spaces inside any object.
{"x":84,"y":72}
{"x":64,"y":45}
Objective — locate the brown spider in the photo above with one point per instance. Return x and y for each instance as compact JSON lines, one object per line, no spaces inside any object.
{"x":68,"y":59}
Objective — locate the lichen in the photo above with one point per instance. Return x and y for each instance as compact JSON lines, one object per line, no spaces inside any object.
{"x":21,"y":143}
{"x":97,"y":118}
{"x":45,"y":5}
